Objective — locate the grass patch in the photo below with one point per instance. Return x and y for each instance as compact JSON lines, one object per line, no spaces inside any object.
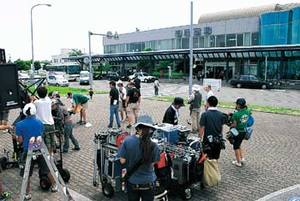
{"x":64,"y":90}
{"x":228,"y":105}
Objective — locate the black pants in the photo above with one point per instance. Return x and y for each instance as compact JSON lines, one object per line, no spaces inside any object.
{"x":43,"y":168}
{"x":135,"y":194}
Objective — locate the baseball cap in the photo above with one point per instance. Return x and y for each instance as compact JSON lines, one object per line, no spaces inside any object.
{"x":241,"y":101}
{"x":196,"y":87}
{"x":29,"y":108}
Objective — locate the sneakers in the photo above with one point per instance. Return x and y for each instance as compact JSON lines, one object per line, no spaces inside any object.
{"x":238,"y":164}
{"x":76,"y":148}
{"x":243,"y":161}
{"x":54,"y":188}
{"x":28,"y":196}
{"x":5,"y":195}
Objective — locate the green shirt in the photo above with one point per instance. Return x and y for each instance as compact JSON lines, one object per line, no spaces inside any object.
{"x":241,"y":117}
{"x":79,"y":99}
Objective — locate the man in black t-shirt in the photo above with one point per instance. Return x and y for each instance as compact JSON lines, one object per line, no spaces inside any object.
{"x":211,"y":128}
{"x":114,"y":104}
{"x":133,"y":100}
{"x":172,"y":113}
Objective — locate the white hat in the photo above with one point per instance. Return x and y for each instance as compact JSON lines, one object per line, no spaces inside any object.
{"x":196,"y":87}
{"x":119,"y":82}
{"x":31,"y":107}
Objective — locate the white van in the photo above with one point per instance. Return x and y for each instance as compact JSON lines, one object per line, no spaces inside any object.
{"x":57,"y":79}
{"x":84,"y":77}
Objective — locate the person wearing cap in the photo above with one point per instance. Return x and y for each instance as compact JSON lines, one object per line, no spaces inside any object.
{"x":25,"y":130}
{"x":133,"y":100}
{"x":172,"y":113}
{"x":141,"y":152}
{"x":239,"y":121}
{"x":44,"y":114}
{"x":211,"y":128}
{"x":122,"y":100}
{"x":195,"y":105}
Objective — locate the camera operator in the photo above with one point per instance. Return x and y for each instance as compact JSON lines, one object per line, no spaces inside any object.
{"x":139,"y":154}
{"x":27,"y":130}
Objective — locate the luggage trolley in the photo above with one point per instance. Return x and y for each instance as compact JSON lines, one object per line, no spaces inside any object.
{"x":107,"y":167}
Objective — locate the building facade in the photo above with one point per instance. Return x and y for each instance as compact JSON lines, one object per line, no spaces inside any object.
{"x":259,"y":26}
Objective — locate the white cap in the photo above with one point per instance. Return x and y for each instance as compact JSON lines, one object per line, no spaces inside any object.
{"x":31,"y":107}
{"x":196,"y":87}
{"x":119,"y":82}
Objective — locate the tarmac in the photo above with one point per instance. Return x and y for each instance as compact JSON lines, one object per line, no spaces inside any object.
{"x":272,"y":157}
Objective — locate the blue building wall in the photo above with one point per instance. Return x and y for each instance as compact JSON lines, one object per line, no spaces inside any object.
{"x":295,"y":26}
{"x":280,"y":28}
{"x":274,"y":28}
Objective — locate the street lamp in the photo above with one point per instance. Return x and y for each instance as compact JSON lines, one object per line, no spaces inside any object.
{"x":32,"y":50}
{"x":191,"y":52}
{"x":109,"y":35}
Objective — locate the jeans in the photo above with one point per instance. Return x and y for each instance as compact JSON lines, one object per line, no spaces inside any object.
{"x":114,"y":110}
{"x":156,"y":91}
{"x":136,"y":195}
{"x":68,"y":131}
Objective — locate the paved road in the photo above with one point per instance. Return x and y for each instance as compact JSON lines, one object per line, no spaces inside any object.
{"x":273,"y":158}
{"x":276,"y":98}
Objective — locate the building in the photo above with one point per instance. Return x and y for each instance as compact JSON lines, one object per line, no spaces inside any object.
{"x":271,"y":25}
{"x":62,"y":57}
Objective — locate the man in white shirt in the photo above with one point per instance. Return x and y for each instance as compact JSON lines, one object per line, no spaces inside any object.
{"x":43,"y":113}
{"x":209,"y":93}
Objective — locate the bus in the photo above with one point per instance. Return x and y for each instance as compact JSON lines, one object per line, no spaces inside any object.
{"x":71,"y":69}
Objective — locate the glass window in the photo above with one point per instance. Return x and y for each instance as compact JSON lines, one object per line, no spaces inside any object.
{"x":185,"y":43}
{"x":212,"y":41}
{"x":254,"y":38}
{"x":178,"y":43}
{"x":247,"y":39}
{"x":195,"y":42}
{"x":239,"y":38}
{"x":220,"y":41}
{"x":201,"y":42}
{"x":230,"y":40}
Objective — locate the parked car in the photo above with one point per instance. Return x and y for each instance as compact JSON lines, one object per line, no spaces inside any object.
{"x":250,"y":81}
{"x":143,"y":76}
{"x":112,"y":76}
{"x":57,"y":80}
{"x":84,"y":77}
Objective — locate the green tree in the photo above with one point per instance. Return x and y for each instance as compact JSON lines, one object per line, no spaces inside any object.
{"x":75,"y":52}
{"x":23,"y":65}
{"x":37,"y":65}
{"x":148,"y":49}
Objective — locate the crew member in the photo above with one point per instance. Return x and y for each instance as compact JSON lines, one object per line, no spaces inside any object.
{"x":44,"y":114}
{"x":172,"y":113}
{"x":114,"y":105}
{"x":239,"y":121}
{"x":133,"y":100}
{"x":29,"y":131}
{"x":211,"y":127}
{"x":195,"y":105}
{"x":122,"y":100}
{"x":140,"y":152}
{"x":80,"y":103}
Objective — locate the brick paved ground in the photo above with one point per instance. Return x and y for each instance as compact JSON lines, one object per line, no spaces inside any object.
{"x":273,"y":158}
{"x":280,"y":98}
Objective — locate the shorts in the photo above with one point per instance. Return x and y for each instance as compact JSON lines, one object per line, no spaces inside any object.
{"x":43,"y":168}
{"x":49,"y":137}
{"x":85,"y":105}
{"x":4,"y":115}
{"x":237,"y":140}
{"x":133,"y":108}
{"x":212,"y":150}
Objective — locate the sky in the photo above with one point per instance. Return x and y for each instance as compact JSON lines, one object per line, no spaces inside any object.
{"x":66,"y":23}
